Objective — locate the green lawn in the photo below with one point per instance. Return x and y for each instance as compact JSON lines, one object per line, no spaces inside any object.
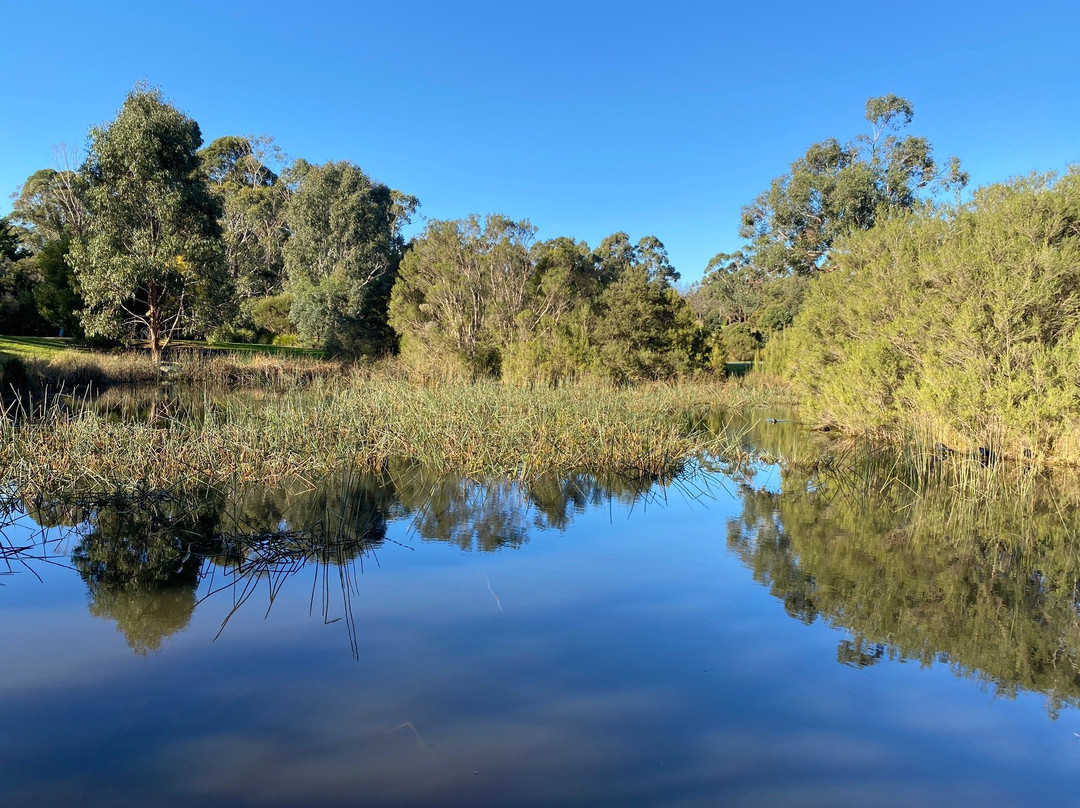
{"x":35,"y":347}
{"x":47,"y":347}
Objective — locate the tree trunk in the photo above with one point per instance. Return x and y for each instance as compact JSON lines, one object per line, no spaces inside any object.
{"x":153,"y":324}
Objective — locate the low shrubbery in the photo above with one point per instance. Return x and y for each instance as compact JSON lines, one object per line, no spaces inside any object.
{"x":962,"y":322}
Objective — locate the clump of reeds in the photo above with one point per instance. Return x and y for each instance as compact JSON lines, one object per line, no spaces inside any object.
{"x":80,"y":370}
{"x":475,"y":429}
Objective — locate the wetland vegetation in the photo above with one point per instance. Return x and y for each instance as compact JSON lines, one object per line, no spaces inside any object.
{"x":267,"y":392}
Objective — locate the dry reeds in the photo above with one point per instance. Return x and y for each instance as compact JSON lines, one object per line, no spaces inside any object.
{"x":80,"y":370}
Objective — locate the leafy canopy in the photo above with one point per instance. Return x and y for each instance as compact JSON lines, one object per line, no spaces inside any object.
{"x":151,"y":258}
{"x":838,"y":187}
{"x":343,"y":253}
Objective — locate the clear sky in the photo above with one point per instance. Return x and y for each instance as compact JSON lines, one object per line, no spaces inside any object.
{"x":662,"y":118}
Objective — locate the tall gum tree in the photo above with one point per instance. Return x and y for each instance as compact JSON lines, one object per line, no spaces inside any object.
{"x":253,"y":199}
{"x":343,"y":253}
{"x":151,"y":259}
{"x":836,"y":188}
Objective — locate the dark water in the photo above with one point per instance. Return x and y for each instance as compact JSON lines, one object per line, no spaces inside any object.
{"x":407,"y":639}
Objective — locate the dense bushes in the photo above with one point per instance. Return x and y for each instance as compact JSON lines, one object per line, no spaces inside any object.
{"x":961,"y":318}
{"x":12,"y":375}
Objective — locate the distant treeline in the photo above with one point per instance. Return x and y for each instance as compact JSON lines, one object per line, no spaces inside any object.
{"x":154,"y":236}
{"x":894,"y":304}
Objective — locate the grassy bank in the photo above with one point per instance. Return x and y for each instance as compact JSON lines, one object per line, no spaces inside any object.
{"x":36,"y":348}
{"x":65,"y":368}
{"x":366,"y":419}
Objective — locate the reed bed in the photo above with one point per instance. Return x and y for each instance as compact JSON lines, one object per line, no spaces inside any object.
{"x":974,"y":475}
{"x":80,"y":370}
{"x":485,"y":428}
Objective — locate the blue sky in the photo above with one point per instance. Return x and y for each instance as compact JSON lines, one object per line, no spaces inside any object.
{"x":586,"y":118}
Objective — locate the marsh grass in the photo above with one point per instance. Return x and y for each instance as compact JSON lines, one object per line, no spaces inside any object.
{"x":871,"y":465}
{"x":72,"y":370}
{"x":363,"y":421}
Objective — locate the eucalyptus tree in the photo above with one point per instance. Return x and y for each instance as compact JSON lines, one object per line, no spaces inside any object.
{"x":566,"y":273}
{"x":838,"y":187}
{"x":645,"y":329}
{"x":462,"y":287}
{"x":343,"y":253}
{"x":150,"y":260}
{"x":50,"y":211}
{"x":51,"y":206}
{"x":253,"y":200}
{"x":742,"y":305}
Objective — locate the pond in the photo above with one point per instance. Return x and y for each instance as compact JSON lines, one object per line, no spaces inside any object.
{"x":735,"y":637}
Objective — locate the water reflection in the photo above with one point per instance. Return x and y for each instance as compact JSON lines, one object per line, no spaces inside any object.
{"x":989,"y":589}
{"x":906,"y":572}
{"x":148,"y":559}
{"x":141,"y":562}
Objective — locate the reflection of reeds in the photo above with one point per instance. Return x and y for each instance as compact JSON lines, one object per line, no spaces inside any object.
{"x":33,"y":547}
{"x":918,"y":460}
{"x":250,"y":563}
{"x":249,"y":543}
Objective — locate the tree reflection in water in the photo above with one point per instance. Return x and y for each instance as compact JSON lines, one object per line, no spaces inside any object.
{"x":145,"y":556}
{"x":989,"y":588}
{"x":907,"y":572}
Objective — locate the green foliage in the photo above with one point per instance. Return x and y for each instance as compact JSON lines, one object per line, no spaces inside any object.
{"x":640,"y":334}
{"x":56,"y":295}
{"x":10,"y":244}
{"x":967,"y":317}
{"x":742,"y":305}
{"x":343,"y":254}
{"x":271,"y":314}
{"x":739,"y":342}
{"x":151,"y":260}
{"x":51,"y":206}
{"x":18,"y":277}
{"x":253,"y":200}
{"x":836,"y":188}
{"x":479,"y":296}
{"x":462,"y":289}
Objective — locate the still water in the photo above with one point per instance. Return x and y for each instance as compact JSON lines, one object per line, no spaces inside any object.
{"x":400,"y":638}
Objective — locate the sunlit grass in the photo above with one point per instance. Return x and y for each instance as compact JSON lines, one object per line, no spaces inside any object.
{"x":43,"y":348}
{"x":366,"y":419}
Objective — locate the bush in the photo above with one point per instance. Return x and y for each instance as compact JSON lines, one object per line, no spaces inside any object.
{"x":12,"y":375}
{"x":271,"y":314}
{"x":739,"y":342}
{"x":965,"y":318}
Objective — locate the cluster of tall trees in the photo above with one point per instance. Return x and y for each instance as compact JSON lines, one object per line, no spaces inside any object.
{"x":156,"y":236}
{"x":833,"y":190}
{"x":487,"y":296}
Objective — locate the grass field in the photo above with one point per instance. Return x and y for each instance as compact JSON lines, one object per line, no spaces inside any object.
{"x":48,"y":347}
{"x":35,"y":347}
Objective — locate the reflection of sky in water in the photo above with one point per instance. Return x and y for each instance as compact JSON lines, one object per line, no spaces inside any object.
{"x":628,"y":660}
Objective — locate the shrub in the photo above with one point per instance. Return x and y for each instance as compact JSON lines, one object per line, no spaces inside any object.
{"x":966,"y":317}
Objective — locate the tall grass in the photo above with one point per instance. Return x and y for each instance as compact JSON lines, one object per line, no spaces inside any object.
{"x":77,"y":370}
{"x":363,"y":421}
